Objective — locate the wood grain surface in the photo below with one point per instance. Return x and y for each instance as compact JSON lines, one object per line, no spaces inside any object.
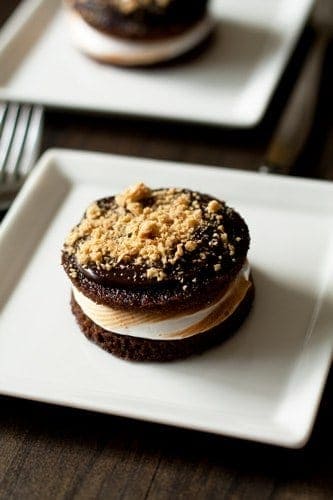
{"x":49,"y":452}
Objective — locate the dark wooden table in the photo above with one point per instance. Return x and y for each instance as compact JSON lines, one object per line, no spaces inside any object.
{"x":52,"y":452}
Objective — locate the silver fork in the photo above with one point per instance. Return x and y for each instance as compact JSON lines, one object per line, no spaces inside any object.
{"x":20,"y":136}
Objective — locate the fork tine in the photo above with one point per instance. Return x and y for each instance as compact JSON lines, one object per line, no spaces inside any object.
{"x":3,"y":113}
{"x":32,"y":142}
{"x":20,"y":137}
{"x":7,"y":136}
{"x":18,"y":142}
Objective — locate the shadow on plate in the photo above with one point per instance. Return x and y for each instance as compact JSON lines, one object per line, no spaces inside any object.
{"x":258,"y":359}
{"x":244,"y":42}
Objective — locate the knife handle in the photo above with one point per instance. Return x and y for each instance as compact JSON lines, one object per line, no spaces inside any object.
{"x":297,"y":118}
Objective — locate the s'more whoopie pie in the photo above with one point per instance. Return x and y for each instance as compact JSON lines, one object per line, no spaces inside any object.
{"x":138,"y":32}
{"x":158,"y":274}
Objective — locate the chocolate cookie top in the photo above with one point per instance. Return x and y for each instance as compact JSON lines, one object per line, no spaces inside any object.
{"x":162,"y":239}
{"x":141,"y":19}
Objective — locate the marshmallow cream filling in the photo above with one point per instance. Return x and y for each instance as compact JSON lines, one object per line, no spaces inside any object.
{"x":120,"y":51}
{"x":148,"y":325}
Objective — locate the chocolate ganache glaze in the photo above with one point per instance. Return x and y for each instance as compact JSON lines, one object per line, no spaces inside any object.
{"x":146,"y":247}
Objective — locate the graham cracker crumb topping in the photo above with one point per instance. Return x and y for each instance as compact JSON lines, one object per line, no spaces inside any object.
{"x":213,"y":206}
{"x":129,"y":6}
{"x":150,"y":229}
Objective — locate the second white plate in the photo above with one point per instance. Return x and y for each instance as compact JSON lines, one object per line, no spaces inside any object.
{"x":229,"y":84}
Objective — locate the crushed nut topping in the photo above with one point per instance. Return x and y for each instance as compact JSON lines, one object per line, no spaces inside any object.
{"x":190,"y":246}
{"x":213,"y":206}
{"x":151,"y":229}
{"x":231,"y":249}
{"x":129,"y":6}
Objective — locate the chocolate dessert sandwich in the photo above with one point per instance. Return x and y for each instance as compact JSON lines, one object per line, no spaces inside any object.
{"x":159,"y":274}
{"x":138,"y":32}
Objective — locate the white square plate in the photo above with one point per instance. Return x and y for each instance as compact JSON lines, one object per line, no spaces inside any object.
{"x":264,"y":384}
{"x":230,"y":83}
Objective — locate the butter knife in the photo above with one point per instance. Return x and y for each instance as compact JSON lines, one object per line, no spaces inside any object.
{"x":295,"y":123}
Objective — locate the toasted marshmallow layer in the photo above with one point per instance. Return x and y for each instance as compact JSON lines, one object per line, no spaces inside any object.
{"x":108,"y":48}
{"x":151,"y":326}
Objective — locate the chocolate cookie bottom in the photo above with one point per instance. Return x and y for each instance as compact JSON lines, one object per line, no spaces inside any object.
{"x":138,"y":349}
